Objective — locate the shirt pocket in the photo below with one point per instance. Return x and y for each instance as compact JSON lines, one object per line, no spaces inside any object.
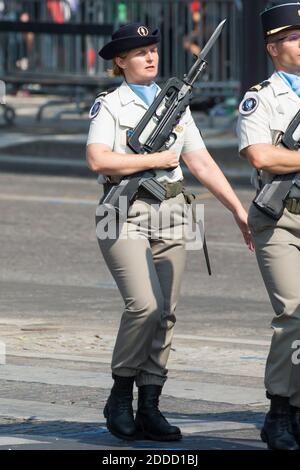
{"x":178,"y":132}
{"x":127,"y":121}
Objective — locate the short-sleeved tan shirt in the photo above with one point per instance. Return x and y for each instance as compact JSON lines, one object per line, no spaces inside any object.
{"x":265,"y":115}
{"x":120,"y":111}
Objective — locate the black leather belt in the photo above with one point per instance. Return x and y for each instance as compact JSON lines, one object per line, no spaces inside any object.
{"x":172,"y":189}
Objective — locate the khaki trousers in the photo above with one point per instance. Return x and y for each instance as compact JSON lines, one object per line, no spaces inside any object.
{"x":277,"y":246}
{"x":147,"y":265}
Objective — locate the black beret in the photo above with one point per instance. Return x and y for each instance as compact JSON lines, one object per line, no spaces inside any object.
{"x":280,"y":17}
{"x":129,"y":37}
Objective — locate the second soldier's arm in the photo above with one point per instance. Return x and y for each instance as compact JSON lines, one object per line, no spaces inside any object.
{"x":276,"y":160}
{"x":256,"y":141}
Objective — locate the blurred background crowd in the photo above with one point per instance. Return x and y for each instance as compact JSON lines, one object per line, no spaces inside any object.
{"x":51,"y":46}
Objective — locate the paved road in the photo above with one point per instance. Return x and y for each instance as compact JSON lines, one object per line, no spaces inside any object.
{"x":60,"y":311}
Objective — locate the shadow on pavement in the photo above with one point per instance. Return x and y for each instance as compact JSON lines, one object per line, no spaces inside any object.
{"x":96,"y":434}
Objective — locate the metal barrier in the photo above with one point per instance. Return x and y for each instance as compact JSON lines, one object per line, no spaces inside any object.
{"x":33,"y":52}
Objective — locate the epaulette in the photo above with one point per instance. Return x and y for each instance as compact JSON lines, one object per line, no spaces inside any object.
{"x":260,"y":86}
{"x":106,"y":92}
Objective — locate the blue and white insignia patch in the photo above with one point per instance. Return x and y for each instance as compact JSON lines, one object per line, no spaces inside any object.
{"x":95,"y":109}
{"x":129,"y":133}
{"x":249,"y":105}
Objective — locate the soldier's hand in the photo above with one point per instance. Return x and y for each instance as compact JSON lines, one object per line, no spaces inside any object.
{"x":166,"y":159}
{"x":241,"y":220}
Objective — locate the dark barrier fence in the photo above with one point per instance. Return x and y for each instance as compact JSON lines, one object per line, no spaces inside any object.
{"x":50,"y":41}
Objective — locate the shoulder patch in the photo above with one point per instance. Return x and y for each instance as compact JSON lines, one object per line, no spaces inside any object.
{"x":98,"y":102}
{"x":260,"y":86}
{"x":249,"y":104}
{"x":95,"y":109}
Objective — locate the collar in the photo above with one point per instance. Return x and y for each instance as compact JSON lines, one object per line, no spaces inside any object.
{"x":279,"y":87}
{"x":127,"y":95}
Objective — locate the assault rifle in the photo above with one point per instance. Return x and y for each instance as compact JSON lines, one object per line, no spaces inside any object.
{"x":272,"y":196}
{"x":167,"y":108}
{"x":155,"y":131}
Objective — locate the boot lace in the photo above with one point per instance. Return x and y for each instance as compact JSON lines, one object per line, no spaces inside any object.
{"x":297,"y":418}
{"x":155,"y":411}
{"x":123,"y":402}
{"x":284,"y":423}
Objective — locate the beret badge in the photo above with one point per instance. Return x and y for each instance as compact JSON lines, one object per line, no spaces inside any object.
{"x":143,"y":31}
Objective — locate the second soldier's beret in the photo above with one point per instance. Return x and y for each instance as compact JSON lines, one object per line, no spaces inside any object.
{"x":280,"y":17}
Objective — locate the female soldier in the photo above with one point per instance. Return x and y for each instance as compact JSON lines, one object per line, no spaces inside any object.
{"x":147,"y":269}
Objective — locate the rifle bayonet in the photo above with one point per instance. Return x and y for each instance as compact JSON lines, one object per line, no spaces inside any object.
{"x":171,"y":102}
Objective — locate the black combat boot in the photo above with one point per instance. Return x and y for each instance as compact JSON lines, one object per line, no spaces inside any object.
{"x":118,"y":410}
{"x":277,"y":430}
{"x":296,"y":422}
{"x":150,"y":422}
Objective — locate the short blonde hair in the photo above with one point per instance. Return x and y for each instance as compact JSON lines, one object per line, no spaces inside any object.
{"x":116,"y":70}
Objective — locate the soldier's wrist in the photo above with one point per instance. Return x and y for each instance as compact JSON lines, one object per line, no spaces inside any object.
{"x":152,"y":162}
